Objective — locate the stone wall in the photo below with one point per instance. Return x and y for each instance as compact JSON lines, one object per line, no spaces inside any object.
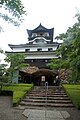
{"x":65,"y":75}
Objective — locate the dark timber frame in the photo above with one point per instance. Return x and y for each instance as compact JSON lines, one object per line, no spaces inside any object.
{"x":35,"y":77}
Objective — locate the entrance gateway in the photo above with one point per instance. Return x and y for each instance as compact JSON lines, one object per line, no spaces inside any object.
{"x":37,"y":77}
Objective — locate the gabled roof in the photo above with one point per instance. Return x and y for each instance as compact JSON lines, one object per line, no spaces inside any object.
{"x":40,"y":28}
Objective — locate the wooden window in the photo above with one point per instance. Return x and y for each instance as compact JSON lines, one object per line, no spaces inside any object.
{"x":39,"y":49}
{"x":50,"y":49}
{"x":27,"y":50}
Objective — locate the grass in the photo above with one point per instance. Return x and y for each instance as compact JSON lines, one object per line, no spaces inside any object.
{"x":73,"y":92}
{"x":19,"y":91}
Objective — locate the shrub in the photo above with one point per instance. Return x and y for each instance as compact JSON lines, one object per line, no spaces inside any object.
{"x":73,"y":92}
{"x":1,"y":85}
{"x":19,"y":91}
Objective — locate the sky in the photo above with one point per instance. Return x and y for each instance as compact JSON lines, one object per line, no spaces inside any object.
{"x":50,"y":13}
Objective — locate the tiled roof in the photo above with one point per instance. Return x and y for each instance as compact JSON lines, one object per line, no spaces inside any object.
{"x":41,"y":28}
{"x":30,"y":70}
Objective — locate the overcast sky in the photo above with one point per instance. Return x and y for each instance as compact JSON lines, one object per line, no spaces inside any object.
{"x":50,"y":13}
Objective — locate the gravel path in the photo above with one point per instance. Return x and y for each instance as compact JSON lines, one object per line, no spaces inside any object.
{"x":7,"y":112}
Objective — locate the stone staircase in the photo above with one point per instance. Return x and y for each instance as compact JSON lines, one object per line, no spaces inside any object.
{"x":40,"y":97}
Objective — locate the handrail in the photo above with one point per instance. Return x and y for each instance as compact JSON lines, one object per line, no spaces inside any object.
{"x":46,"y":92}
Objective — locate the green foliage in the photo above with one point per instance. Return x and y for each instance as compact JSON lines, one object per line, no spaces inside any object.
{"x":73,"y":92}
{"x":69,"y":51}
{"x":15,"y":59}
{"x":1,"y":51}
{"x":17,"y":87}
{"x":16,"y":62}
{"x":58,"y":64}
{"x":61,"y":36}
{"x":2,"y":69}
{"x":9,"y":20}
{"x":1,"y":73}
{"x":75,"y":65}
{"x":18,"y":96}
{"x":16,"y":8}
{"x":19,"y":91}
{"x":54,"y":63}
{"x":1,"y":85}
{"x":65,"y":64}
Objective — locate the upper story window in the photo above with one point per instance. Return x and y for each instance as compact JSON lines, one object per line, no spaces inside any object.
{"x":40,"y":34}
{"x":39,"y":49}
{"x":27,"y":50}
{"x":50,"y":49}
{"x":34,"y":34}
{"x":46,"y":34}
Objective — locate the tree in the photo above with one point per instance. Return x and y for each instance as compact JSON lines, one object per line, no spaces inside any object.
{"x":2,"y":70}
{"x":16,"y":8}
{"x":54,"y":64}
{"x":70,"y":51}
{"x":16,"y":61}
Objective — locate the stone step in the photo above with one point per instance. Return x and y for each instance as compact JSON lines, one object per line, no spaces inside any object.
{"x":48,"y":104}
{"x":50,"y":89}
{"x":52,"y":95}
{"x":48,"y":101}
{"x":43,"y":91}
{"x":56,"y":97}
{"x":32,"y":93}
{"x":56,"y":88}
{"x":49,"y":98}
